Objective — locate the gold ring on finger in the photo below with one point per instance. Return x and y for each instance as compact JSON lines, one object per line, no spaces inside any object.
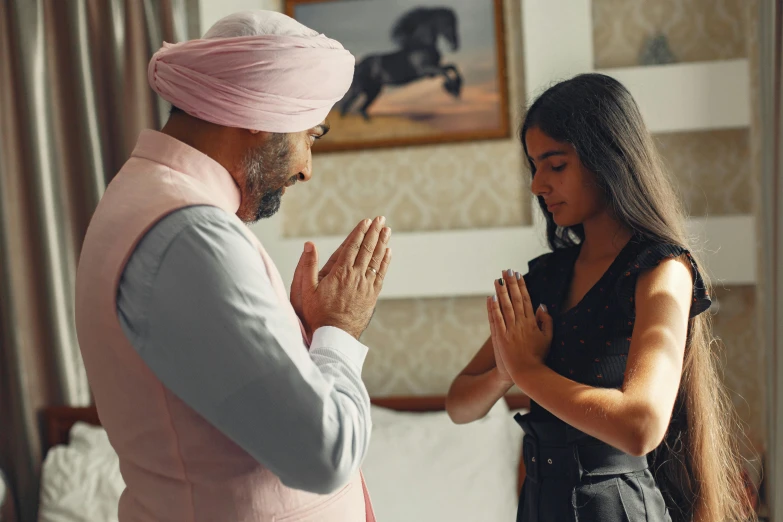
{"x":374,"y":271}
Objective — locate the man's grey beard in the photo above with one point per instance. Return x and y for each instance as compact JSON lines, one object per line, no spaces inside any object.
{"x":266,"y":170}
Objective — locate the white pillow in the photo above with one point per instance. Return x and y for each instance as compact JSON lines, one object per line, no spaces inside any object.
{"x":422,"y":467}
{"x":81,"y":482}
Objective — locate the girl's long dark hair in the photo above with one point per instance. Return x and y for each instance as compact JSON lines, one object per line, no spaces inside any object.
{"x":698,"y":466}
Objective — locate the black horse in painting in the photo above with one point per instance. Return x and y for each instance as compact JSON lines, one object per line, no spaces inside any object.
{"x":416,"y":33}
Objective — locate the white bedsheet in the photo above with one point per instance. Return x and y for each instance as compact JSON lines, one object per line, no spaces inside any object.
{"x":423,"y":468}
{"x":420,"y":467}
{"x":81,"y":482}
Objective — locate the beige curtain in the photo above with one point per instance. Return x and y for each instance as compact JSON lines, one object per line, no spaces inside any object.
{"x":771,"y":238}
{"x":73,"y":97}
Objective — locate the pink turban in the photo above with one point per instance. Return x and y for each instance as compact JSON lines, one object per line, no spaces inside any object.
{"x":276,"y":75}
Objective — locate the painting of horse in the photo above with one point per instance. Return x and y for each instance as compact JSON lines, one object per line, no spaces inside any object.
{"x":427,"y":71}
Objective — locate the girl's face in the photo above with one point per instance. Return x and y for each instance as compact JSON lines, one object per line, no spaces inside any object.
{"x":568,"y":188}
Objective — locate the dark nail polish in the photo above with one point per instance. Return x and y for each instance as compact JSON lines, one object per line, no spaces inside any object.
{"x":500,"y":281}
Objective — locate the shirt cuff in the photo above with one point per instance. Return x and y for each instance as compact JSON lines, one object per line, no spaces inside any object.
{"x":335,"y":340}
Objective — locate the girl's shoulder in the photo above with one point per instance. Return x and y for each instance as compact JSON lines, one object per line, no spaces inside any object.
{"x":648,"y":255}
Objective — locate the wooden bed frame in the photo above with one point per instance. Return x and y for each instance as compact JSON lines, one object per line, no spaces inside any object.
{"x":58,"y":420}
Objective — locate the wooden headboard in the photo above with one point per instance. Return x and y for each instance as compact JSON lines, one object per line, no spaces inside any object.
{"x":58,"y":420}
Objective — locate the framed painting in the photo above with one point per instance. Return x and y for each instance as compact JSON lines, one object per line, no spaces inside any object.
{"x":427,"y":71}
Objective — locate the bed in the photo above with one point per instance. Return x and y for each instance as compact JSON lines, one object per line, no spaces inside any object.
{"x":442,"y":471}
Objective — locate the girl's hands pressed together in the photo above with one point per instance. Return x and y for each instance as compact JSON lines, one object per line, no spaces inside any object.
{"x":502,"y":372}
{"x":520,"y":336}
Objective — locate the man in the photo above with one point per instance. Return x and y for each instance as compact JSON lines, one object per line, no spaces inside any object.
{"x":198,"y":361}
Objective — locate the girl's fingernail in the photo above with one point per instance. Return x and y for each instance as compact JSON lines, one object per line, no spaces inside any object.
{"x":510,"y":273}
{"x":519,"y":276}
{"x":494,"y":299}
{"x":500,"y":281}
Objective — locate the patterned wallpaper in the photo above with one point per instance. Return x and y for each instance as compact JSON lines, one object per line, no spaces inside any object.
{"x":743,"y":360}
{"x":416,"y":188}
{"x":697,"y":30}
{"x":466,"y":185}
{"x":712,"y":170}
{"x":752,"y":373}
{"x":418,"y":346}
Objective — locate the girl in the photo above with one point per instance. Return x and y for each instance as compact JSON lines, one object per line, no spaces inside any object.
{"x":629,"y":420}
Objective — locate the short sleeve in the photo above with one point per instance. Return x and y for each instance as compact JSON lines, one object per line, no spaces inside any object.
{"x":649,"y":257}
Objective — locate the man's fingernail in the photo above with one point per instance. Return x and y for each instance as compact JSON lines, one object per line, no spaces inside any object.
{"x":494,"y":299}
{"x":308,"y":247}
{"x":543,"y":307}
{"x":381,"y":219}
{"x":519,"y":276}
{"x":367,"y":222}
{"x":500,"y":281}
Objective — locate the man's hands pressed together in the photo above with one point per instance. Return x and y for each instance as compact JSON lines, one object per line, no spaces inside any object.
{"x":344,"y":292}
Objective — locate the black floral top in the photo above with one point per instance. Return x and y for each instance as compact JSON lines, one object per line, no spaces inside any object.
{"x":591,"y":340}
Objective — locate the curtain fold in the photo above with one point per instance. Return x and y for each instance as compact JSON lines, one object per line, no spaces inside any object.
{"x":771,"y":239}
{"x":73,"y":98}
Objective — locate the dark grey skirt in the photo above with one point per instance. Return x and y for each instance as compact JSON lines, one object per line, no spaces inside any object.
{"x":572,"y":477}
